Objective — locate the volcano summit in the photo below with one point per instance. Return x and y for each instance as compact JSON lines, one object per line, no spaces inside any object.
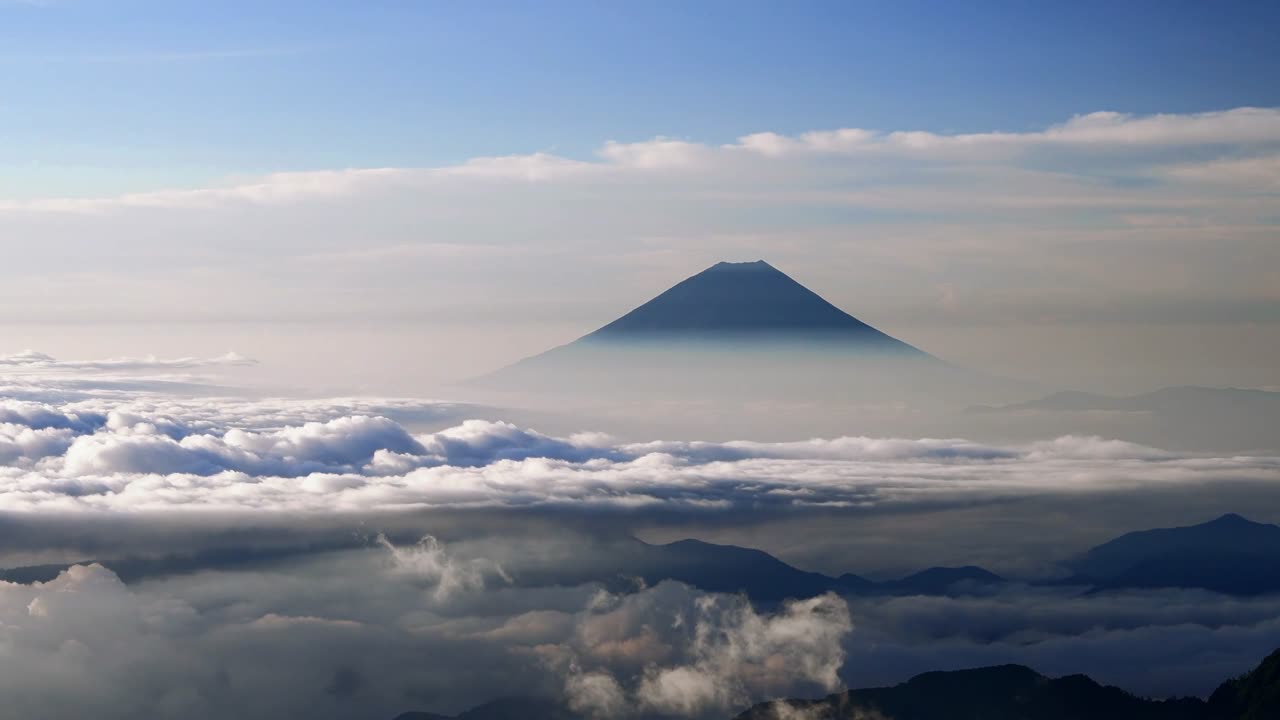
{"x":751,"y":302}
{"x":746,"y":331}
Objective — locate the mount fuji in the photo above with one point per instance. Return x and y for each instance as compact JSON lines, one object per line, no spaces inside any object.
{"x":745,"y":331}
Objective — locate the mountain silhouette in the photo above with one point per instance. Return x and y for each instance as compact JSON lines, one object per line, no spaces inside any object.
{"x":1252,"y":696}
{"x":941,"y":580}
{"x":746,"y":332}
{"x":763,"y":578}
{"x":1229,"y":554}
{"x":745,"y":301}
{"x":1001,"y":692}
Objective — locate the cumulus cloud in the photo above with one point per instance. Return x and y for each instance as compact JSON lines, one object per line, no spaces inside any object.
{"x":739,"y":658}
{"x":669,"y":652}
{"x":314,"y":457}
{"x":275,"y":565}
{"x":428,"y":561}
{"x":368,"y":641}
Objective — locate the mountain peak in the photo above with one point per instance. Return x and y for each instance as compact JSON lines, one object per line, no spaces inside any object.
{"x":1231,"y":519}
{"x":751,"y":266}
{"x":745,"y":300}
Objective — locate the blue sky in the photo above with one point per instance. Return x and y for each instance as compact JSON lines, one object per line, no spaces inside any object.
{"x":101,"y":97}
{"x":943,"y":170}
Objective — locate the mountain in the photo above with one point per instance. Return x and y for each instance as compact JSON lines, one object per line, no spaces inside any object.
{"x":1189,"y":417}
{"x":745,"y":332}
{"x":745,"y":301}
{"x":1005,"y":692}
{"x":1230,"y":555}
{"x":1002,"y":692}
{"x":763,"y":578}
{"x":766,"y":580}
{"x":731,"y":569}
{"x":942,"y":580}
{"x":506,"y":708}
{"x":1252,"y":696}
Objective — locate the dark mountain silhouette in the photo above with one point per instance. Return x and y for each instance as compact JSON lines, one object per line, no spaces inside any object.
{"x":942,"y":580}
{"x":749,"y":301}
{"x":1005,"y":692}
{"x":506,"y":708}
{"x":1002,"y":692}
{"x":1252,"y":696}
{"x":1229,"y":555}
{"x":766,"y":580}
{"x":731,"y":569}
{"x":1194,"y":418}
{"x":746,"y":331}
{"x":1014,"y":692}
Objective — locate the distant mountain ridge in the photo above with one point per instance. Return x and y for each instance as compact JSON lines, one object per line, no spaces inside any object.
{"x":1230,"y":554}
{"x":1001,"y":692}
{"x":1016,"y":692}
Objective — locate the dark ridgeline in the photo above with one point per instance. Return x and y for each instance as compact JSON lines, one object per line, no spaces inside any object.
{"x":1003,"y":692}
{"x":1015,"y":692}
{"x":1230,"y":555}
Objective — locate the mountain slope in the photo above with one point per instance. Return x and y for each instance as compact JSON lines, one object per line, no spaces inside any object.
{"x":743,"y":333}
{"x":1252,"y":696}
{"x":1229,"y":554}
{"x":1002,"y":692}
{"x":1005,"y":692}
{"x":744,"y":301}
{"x":767,"y":580}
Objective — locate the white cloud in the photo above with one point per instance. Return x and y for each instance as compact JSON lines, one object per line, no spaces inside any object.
{"x":1240,"y":127}
{"x":667,"y":652}
{"x":875,"y":219}
{"x":1249,"y":174}
{"x":737,"y":655}
{"x":428,"y":561}
{"x":32,"y":360}
{"x":324,"y":456}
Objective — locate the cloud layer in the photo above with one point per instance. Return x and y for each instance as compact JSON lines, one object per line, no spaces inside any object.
{"x":320,"y":457}
{"x":278,"y":564}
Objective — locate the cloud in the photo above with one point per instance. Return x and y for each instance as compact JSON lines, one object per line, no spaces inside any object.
{"x":318,"y":457}
{"x":1237,"y":127}
{"x":353,"y":636}
{"x":282,"y":559}
{"x":428,"y":561}
{"x":668,"y":652}
{"x":1250,"y":174}
{"x":32,"y":360}
{"x":745,"y":655}
{"x":1018,"y":223}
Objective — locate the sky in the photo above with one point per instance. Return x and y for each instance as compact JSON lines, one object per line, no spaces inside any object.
{"x":248,"y":250}
{"x":1088,"y":196}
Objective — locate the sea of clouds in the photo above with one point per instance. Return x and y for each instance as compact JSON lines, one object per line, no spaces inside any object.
{"x":210,"y":555}
{"x":317,"y":456}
